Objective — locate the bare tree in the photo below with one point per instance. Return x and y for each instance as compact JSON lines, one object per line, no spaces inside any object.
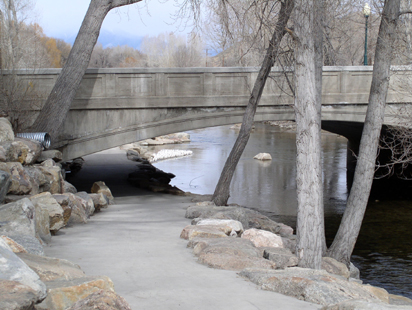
{"x":344,"y":242}
{"x":20,"y":48}
{"x":172,"y":50}
{"x":55,"y":110}
{"x":221,"y":194}
{"x":308,"y":83}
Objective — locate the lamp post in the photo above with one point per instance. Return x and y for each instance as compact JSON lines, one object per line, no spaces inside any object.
{"x":366,"y":13}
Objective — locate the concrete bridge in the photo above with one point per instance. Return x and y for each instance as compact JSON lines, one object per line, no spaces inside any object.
{"x":118,"y":106}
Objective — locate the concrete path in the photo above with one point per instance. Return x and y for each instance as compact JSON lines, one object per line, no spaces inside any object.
{"x":136,"y":243}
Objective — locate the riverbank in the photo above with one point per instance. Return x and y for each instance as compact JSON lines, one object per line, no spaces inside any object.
{"x":136,"y":243}
{"x":148,"y":264}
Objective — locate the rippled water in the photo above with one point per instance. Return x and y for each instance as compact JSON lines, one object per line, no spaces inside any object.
{"x":384,"y":248}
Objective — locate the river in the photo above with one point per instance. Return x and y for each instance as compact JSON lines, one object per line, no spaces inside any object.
{"x":384,"y":249}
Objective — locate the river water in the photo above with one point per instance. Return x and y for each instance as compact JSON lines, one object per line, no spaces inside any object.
{"x":384,"y":249}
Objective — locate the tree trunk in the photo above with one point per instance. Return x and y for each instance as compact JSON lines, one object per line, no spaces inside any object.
{"x":221,"y":194}
{"x":54,"y":112}
{"x":319,"y":51}
{"x":310,"y":227}
{"x":348,"y":232}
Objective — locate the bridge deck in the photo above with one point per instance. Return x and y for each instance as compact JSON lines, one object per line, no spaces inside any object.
{"x":123,"y":105}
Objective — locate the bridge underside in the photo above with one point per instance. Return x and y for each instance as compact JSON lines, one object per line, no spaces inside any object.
{"x":96,"y":130}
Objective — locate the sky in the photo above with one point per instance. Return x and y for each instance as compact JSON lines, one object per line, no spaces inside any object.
{"x":125,"y":25}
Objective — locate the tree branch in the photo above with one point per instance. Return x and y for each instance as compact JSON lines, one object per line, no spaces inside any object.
{"x":118,"y":3}
{"x":404,"y":12}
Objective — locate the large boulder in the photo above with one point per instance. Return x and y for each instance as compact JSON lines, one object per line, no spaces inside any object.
{"x":21,"y":181}
{"x":78,"y":214}
{"x":356,"y":304}
{"x":12,"y":268}
{"x":5,"y":183}
{"x":203,"y":231}
{"x":30,"y":243}
{"x":54,"y":177}
{"x":236,"y":226}
{"x":101,"y":187}
{"x":400,"y":300}
{"x":282,"y":257}
{"x":47,"y":202}
{"x":316,"y":286}
{"x":18,"y":223}
{"x":229,"y":254}
{"x":21,"y":150}
{"x":100,"y":201}
{"x":38,"y":179}
{"x":6,"y":130}
{"x":87,"y":202}
{"x":55,"y":155}
{"x":17,"y":296}
{"x":18,"y":218}
{"x":102,"y":300}
{"x":67,"y":205}
{"x":3,"y":153}
{"x":42,"y":220}
{"x":28,"y":150}
{"x":50,"y":269}
{"x":63,"y":294}
{"x":248,"y":218}
{"x":69,"y":188}
{"x":14,"y":246}
{"x":334,"y":267}
{"x":263,"y":238}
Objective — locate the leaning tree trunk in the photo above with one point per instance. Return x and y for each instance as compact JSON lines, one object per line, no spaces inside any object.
{"x":310,"y":227}
{"x":348,"y":232}
{"x":58,"y":103}
{"x":221,"y":194}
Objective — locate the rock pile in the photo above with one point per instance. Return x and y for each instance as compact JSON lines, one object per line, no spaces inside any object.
{"x":35,"y":203}
{"x":263,"y":251}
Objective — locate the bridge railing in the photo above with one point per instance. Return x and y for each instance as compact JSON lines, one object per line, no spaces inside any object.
{"x":207,"y":87}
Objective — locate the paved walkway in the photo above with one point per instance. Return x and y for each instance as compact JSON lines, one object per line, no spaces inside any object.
{"x":136,"y":243}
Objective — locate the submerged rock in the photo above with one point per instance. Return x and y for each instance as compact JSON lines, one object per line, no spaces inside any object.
{"x":263,"y":156}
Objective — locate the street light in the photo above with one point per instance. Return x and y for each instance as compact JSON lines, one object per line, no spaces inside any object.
{"x":366,"y":13}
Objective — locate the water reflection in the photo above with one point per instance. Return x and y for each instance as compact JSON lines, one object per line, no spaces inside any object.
{"x":383,"y":251}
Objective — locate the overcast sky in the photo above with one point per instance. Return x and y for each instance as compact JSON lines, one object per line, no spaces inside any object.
{"x":125,"y":25}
